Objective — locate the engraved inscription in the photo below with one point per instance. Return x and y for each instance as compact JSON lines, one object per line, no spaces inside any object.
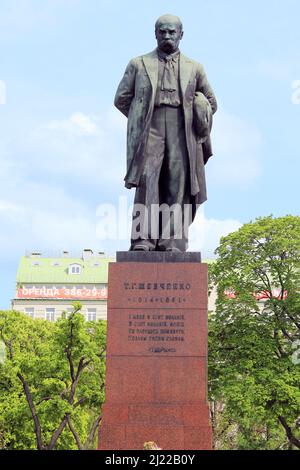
{"x":157,"y":286}
{"x":157,"y":300}
{"x":166,"y":293}
{"x":167,"y":328}
{"x":160,"y":350}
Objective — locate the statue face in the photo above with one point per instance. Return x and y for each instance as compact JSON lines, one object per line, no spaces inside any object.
{"x":168,"y":36}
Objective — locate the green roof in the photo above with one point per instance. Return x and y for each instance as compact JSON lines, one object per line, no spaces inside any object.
{"x":209,"y":261}
{"x":41,"y":270}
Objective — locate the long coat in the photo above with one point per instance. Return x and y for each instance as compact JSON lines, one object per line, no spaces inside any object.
{"x":135,"y":98}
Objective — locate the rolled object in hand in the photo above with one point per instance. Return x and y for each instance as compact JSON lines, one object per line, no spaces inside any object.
{"x":202,"y":119}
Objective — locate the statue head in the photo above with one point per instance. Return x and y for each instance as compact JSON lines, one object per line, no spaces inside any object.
{"x":168,"y":32}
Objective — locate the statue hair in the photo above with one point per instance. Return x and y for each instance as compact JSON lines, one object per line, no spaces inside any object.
{"x":168,"y":19}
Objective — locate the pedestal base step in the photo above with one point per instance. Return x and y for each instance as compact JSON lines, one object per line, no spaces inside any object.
{"x":170,"y":426}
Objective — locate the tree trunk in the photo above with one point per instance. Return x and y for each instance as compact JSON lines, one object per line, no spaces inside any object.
{"x":289,"y":433}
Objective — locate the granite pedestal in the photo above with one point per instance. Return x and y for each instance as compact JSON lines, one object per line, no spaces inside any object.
{"x":156,"y":379}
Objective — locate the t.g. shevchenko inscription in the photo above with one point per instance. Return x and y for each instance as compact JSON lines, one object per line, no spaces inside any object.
{"x":155,"y":293}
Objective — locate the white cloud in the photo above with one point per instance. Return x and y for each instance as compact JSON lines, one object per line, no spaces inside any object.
{"x":89,"y":149}
{"x":275,"y":70}
{"x":6,"y":206}
{"x":40,"y":170}
{"x":205,"y":234}
{"x":117,"y":121}
{"x":78,"y":124}
{"x":236,"y":145}
{"x":43,"y":217}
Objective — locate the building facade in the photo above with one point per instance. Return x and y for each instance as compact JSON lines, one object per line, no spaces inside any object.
{"x":47,"y":286}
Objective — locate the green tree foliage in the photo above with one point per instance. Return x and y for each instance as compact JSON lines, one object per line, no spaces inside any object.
{"x":51,"y":381}
{"x":254,"y":377}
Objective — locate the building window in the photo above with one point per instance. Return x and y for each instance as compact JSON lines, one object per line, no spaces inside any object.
{"x":50,"y":314}
{"x":30,"y":312}
{"x":69,"y":311}
{"x":75,"y":269}
{"x":91,"y":314}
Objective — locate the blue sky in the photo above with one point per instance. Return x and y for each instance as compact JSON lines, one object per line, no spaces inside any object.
{"x":62,"y":144}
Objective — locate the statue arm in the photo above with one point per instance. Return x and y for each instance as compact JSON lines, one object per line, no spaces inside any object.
{"x":205,"y":88}
{"x":125,"y":91}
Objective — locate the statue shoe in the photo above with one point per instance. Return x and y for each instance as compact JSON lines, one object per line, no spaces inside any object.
{"x":174,"y":250}
{"x":141,"y":247}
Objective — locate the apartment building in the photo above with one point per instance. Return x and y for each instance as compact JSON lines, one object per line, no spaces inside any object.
{"x":47,"y":286}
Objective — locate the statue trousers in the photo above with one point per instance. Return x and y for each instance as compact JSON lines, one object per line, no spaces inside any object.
{"x":162,"y":209}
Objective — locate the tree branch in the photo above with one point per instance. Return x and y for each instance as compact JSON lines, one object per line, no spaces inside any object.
{"x":91,"y":435}
{"x":64,"y":422}
{"x":80,"y":402}
{"x":69,"y":353}
{"x":44,"y":399}
{"x":37,"y":426}
{"x":58,"y":432}
{"x":279,"y":347}
{"x":76,"y":437}
{"x":289,"y":433}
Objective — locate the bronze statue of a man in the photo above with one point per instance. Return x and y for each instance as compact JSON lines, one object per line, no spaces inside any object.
{"x":169,"y":105}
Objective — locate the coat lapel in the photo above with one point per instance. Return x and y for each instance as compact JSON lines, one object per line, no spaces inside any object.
{"x":151,"y":66}
{"x":186,"y":68}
